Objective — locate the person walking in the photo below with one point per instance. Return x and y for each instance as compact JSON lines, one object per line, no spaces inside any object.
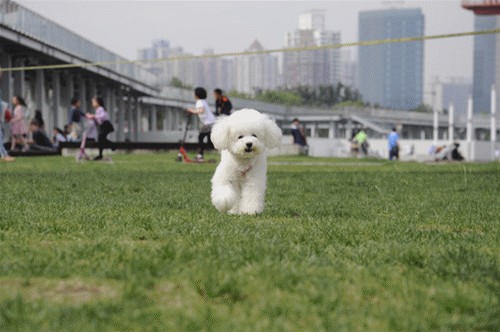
{"x":17,"y":125}
{"x":207,"y":119}
{"x":393,"y":140}
{"x":105,"y":127}
{"x":89,"y":135}
{"x":223,"y":105}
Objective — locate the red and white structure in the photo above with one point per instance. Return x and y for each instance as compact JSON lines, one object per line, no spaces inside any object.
{"x":482,"y":7}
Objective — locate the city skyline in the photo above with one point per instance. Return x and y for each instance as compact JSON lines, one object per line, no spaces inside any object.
{"x":250,"y":21}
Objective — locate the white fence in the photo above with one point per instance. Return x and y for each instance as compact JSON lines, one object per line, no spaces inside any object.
{"x":410,"y":149}
{"x":324,"y":147}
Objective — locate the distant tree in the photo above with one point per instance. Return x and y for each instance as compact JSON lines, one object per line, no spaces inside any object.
{"x":348,"y":103}
{"x":279,"y":97}
{"x":423,"y":109}
{"x":177,"y":83}
{"x":237,"y":94}
{"x":303,"y":95}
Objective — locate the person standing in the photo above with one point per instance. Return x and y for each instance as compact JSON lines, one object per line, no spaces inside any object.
{"x":105,"y":127}
{"x":223,"y":105}
{"x":89,"y":135}
{"x":207,"y":119}
{"x":3,"y":152}
{"x":75,"y":115}
{"x":393,"y":140}
{"x":299,"y":136}
{"x":17,"y":125}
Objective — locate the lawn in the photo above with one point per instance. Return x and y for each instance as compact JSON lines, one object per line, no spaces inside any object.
{"x":342,"y":246}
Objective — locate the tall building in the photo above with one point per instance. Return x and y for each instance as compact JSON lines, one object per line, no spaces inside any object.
{"x":456,"y":93}
{"x":253,"y":72}
{"x":391,"y":75}
{"x":311,"y":68}
{"x":485,"y":62}
{"x":313,"y":19}
{"x":454,"y":90}
{"x":185,"y":70}
{"x":206,"y":71}
{"x":348,"y":68}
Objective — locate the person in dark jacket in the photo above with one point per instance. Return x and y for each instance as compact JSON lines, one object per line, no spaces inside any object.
{"x":223,"y":105}
{"x":40,"y":141}
{"x":39,"y":118}
{"x":75,"y":115}
{"x":299,"y":136}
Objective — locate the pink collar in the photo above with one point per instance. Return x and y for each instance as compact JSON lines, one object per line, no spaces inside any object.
{"x":243,"y":173}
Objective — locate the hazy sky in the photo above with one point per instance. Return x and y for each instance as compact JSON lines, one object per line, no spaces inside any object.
{"x":125,"y":26}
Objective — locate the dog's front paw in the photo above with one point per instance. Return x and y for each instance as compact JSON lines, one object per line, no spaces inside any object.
{"x":251,"y":210}
{"x":224,"y":198}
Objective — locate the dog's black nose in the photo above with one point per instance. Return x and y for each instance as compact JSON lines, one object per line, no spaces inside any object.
{"x":249,"y":145}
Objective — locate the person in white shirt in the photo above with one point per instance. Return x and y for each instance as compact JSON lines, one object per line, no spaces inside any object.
{"x":207,"y":119}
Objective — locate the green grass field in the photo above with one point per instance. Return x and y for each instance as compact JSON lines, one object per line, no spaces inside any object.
{"x":344,"y":245}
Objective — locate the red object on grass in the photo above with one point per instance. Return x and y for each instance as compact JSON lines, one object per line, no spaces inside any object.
{"x":184,"y":155}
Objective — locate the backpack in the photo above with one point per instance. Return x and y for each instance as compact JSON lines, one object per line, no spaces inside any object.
{"x":225,"y":106}
{"x":7,"y":115}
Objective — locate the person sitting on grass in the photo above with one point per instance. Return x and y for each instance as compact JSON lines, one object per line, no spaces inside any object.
{"x":40,"y":141}
{"x":362,"y":139}
{"x":57,"y":137}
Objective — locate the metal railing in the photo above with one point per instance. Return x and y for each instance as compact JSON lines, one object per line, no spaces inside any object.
{"x":31,"y":24}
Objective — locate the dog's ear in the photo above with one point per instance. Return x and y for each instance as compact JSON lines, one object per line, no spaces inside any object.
{"x":220,"y":134}
{"x":273,"y":133}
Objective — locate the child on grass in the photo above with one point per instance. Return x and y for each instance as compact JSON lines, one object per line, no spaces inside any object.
{"x":207,"y":119}
{"x":89,"y":135}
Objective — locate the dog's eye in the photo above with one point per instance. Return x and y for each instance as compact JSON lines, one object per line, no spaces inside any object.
{"x":240,"y":137}
{"x":254,"y":135}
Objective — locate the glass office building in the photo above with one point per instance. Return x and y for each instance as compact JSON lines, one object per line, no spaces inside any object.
{"x":391,"y":75}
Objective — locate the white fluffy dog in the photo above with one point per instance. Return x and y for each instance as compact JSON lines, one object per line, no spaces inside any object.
{"x":239,"y":182}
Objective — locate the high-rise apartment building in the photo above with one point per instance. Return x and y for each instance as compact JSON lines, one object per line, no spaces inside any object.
{"x":391,"y":75}
{"x":486,"y":58}
{"x":256,"y":72}
{"x":311,"y":67}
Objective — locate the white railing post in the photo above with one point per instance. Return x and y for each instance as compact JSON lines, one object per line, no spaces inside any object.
{"x":493,"y":129}
{"x":435,"y":127}
{"x":469,"y":134}
{"x":451,"y":119}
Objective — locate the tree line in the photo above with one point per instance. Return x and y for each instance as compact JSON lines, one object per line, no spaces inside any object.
{"x":323,"y":96}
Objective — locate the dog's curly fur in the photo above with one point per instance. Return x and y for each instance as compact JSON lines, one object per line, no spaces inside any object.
{"x":239,"y":182}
